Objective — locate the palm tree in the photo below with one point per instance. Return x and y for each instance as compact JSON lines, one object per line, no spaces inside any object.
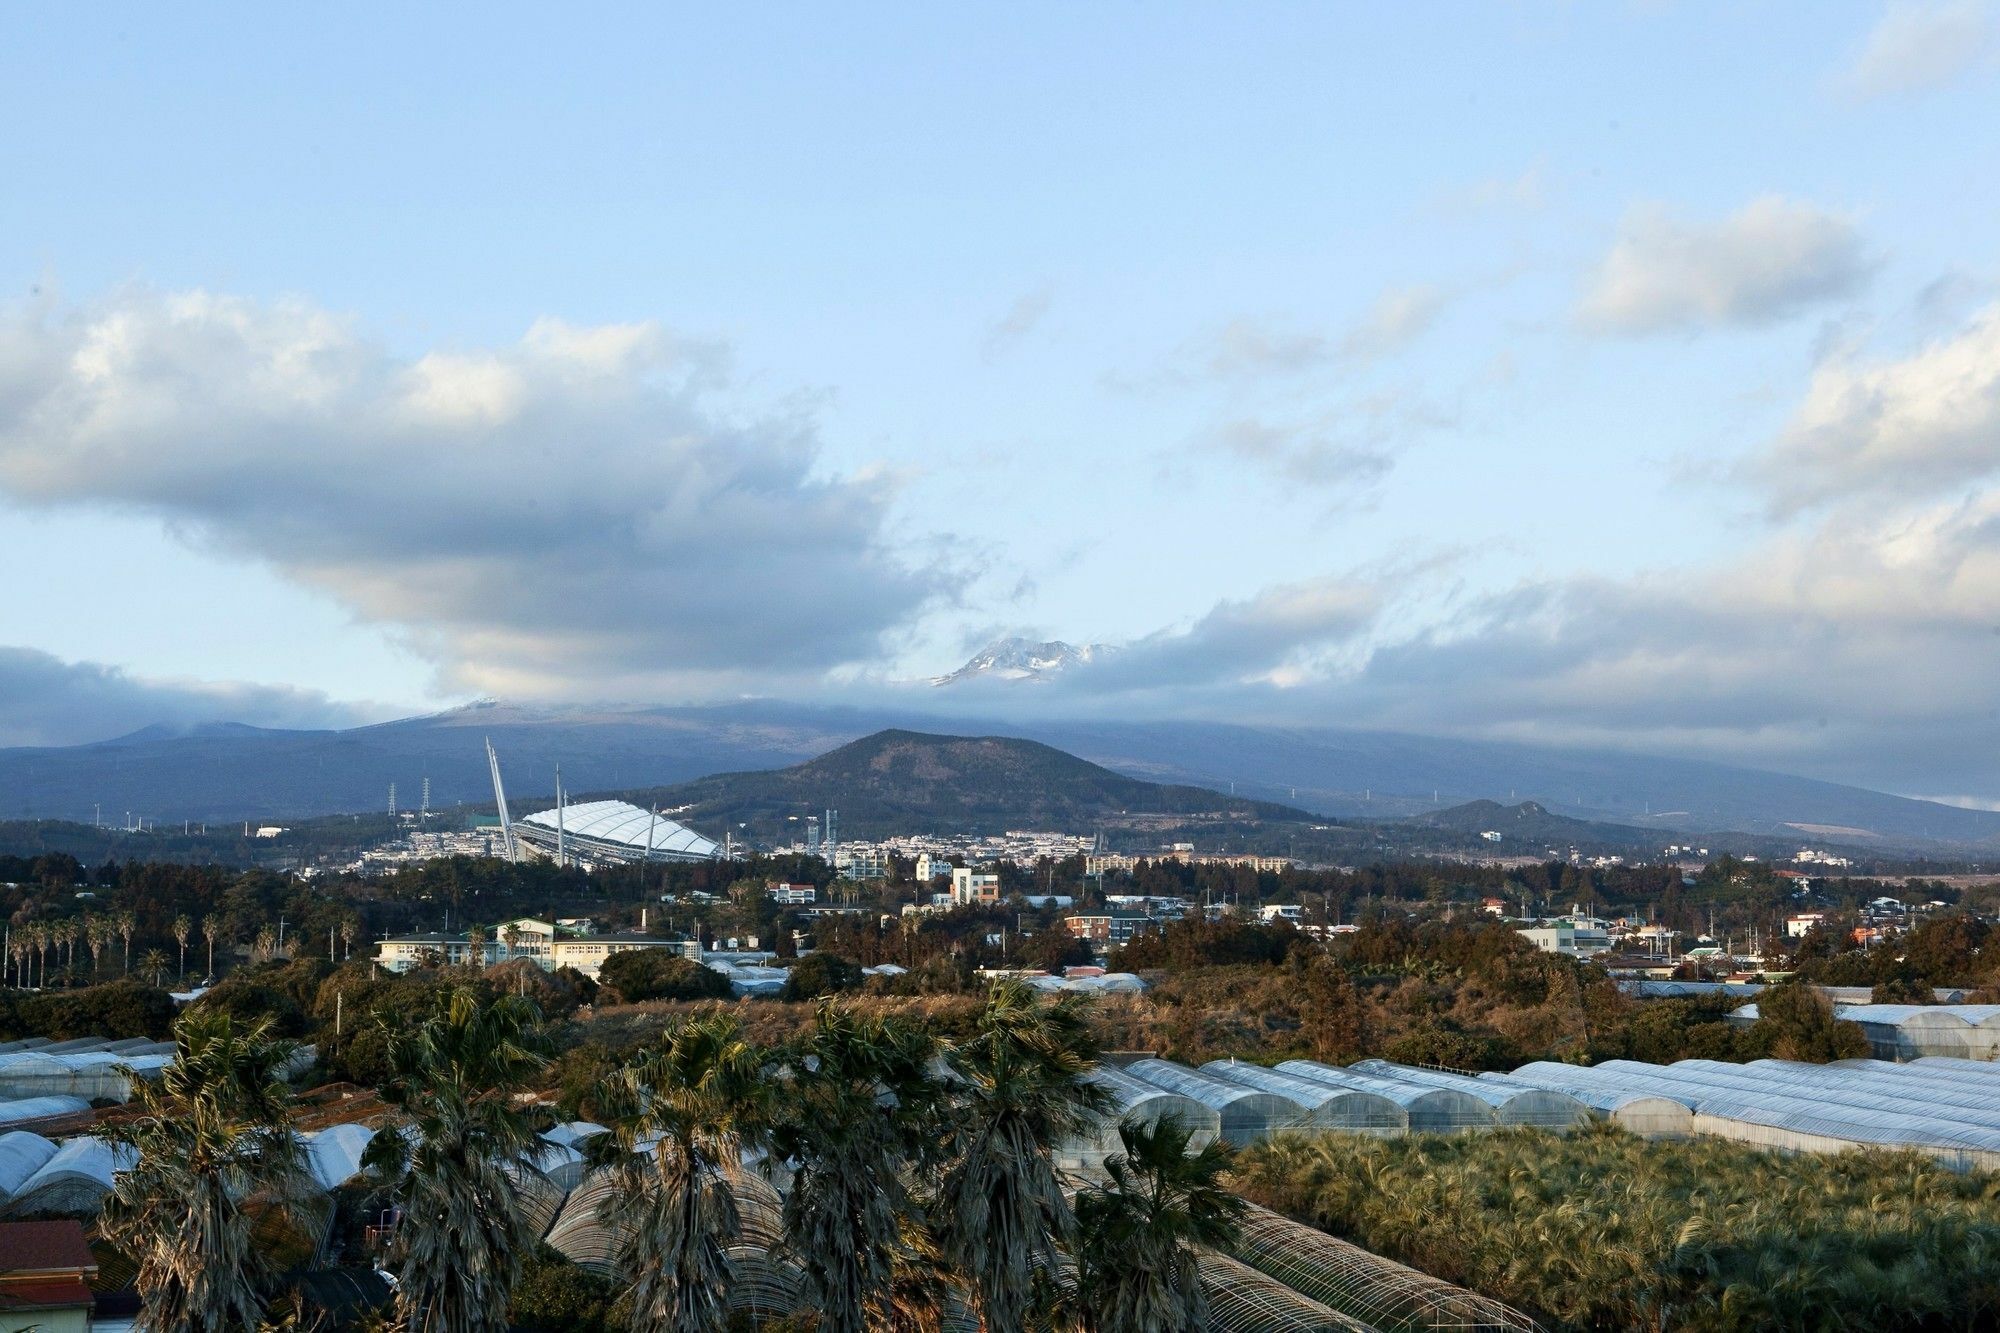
{"x":128,"y":926}
{"x":211,"y":930}
{"x":153,"y":963}
{"x":458,"y":1247}
{"x":213,"y":1148}
{"x":350,"y":931}
{"x":1137,"y":1232}
{"x":859,"y":1120}
{"x":41,"y":938}
{"x":183,"y":930}
{"x":680,"y":1116}
{"x":1020,"y":1093}
{"x":475,"y":948}
{"x":266,"y":945}
{"x":96,"y":935}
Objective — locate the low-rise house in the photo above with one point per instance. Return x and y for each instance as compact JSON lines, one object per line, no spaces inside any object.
{"x":587,"y":954}
{"x":1109,"y":926}
{"x":45,"y":1273}
{"x":549,"y":949}
{"x":1576,"y":940}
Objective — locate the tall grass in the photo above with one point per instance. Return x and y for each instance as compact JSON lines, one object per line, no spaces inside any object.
{"x":1600,"y":1229}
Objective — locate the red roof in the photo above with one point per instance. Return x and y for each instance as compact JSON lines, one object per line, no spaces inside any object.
{"x":61,"y":1293}
{"x":32,"y":1248}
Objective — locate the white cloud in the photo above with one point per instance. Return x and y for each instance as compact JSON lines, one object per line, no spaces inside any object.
{"x":1907,"y":427}
{"x":1307,"y":455}
{"x":47,"y":701}
{"x":1916,"y":47}
{"x":1399,"y":315}
{"x":1250,"y":349}
{"x":1526,"y":192}
{"x":569,"y":512}
{"x":1853,"y":650}
{"x":1269,"y":641}
{"x":1769,"y":261}
{"x":1021,"y":319}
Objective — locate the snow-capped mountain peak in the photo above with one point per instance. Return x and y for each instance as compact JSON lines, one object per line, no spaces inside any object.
{"x":1020,"y":659}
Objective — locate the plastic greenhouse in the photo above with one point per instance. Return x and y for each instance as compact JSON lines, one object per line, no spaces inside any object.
{"x":1246,"y":1115}
{"x":1379,"y":1292}
{"x":1819,"y":1113}
{"x":1140,"y":1102}
{"x":1910,"y":1031}
{"x":1431,"y":1110}
{"x":94,"y":1075}
{"x":1636,"y":1112}
{"x":21,"y":1155}
{"x":1541,"y":1108}
{"x":39,"y":1108}
{"x":1353,"y":1110}
{"x":74,"y":1180}
{"x":1243,"y":1300}
{"x":334,"y":1154}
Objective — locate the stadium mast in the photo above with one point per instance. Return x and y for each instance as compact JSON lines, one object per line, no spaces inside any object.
{"x":507,"y":846}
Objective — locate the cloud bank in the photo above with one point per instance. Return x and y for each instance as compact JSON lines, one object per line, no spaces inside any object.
{"x":1769,"y":261}
{"x":47,"y":701}
{"x":570,"y":511}
{"x":1858,"y":639}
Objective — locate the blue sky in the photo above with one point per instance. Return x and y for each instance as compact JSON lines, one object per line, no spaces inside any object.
{"x":1515,"y":370}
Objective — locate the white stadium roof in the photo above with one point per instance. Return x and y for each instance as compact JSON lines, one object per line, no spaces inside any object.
{"x":617,"y":830}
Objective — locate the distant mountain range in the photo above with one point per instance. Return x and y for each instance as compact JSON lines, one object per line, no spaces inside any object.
{"x":905,"y":781}
{"x":235,"y":773}
{"x":1020,"y":659}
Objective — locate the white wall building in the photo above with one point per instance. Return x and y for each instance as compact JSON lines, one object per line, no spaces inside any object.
{"x":1578,"y":941}
{"x":972,"y":888}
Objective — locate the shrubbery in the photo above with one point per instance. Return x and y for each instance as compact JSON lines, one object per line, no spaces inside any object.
{"x":557,"y":1296}
{"x":115,"y":1010}
{"x":655,"y":974}
{"x":820,"y":974}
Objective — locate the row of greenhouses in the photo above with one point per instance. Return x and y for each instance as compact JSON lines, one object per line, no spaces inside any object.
{"x":1942,"y":1105}
{"x":91,"y":1069}
{"x":1243,"y":1103}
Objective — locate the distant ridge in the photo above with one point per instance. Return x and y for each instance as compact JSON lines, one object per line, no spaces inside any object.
{"x":230,"y":772}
